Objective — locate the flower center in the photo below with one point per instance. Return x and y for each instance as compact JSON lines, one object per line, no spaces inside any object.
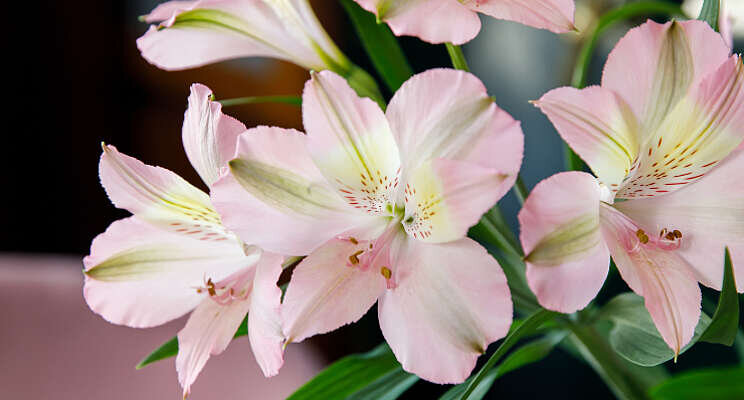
{"x":635,"y":239}
{"x":373,"y":195}
{"x":235,"y":287}
{"x":375,"y":254}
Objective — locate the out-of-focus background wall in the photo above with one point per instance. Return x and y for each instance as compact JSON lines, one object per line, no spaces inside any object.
{"x":76,"y":79}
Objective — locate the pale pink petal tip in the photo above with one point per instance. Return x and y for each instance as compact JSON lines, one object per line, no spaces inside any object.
{"x":436,"y":337}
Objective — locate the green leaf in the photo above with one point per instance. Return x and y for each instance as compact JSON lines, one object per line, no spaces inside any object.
{"x":170,"y":348}
{"x":529,"y":326}
{"x":520,"y":189}
{"x":634,"y":335}
{"x":359,"y":376}
{"x":293,"y":100}
{"x":710,"y":12}
{"x":621,"y":376}
{"x":388,"y":387}
{"x":725,"y":323}
{"x":530,"y":353}
{"x":572,"y":161}
{"x":380,"y":44}
{"x":167,"y":350}
{"x":708,"y":384}
{"x":363,"y":84}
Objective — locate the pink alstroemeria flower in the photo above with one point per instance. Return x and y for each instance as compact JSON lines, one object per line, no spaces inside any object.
{"x":381,"y":202}
{"x":660,"y":134}
{"x":174,"y":255}
{"x":200,"y":32}
{"x":456,"y":21}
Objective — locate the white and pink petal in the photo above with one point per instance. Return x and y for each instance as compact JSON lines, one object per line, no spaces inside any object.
{"x":599,"y":126}
{"x":566,"y":257}
{"x":433,"y":21}
{"x":328,"y":289}
{"x":444,"y":198}
{"x":196,"y":33}
{"x":208,"y":331}
{"x":141,"y":276}
{"x":554,"y":15}
{"x":654,"y":65}
{"x":209,"y":136}
{"x":350,"y":142}
{"x":275,"y":196}
{"x":159,"y":196}
{"x":709,"y":214}
{"x":264,"y":317}
{"x":659,"y":274}
{"x":701,"y":130}
{"x":445,"y":113}
{"x":449,"y":302}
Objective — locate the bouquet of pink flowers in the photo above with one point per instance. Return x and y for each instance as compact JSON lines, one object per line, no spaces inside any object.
{"x":392,"y":201}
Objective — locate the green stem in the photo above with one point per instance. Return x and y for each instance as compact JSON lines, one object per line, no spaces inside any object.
{"x":600,"y":356}
{"x":500,"y":235}
{"x":458,"y":59}
{"x":380,"y":44}
{"x":622,"y":13}
{"x":294,"y":100}
{"x":520,"y":189}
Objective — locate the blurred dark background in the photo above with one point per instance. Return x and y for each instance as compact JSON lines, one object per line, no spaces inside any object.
{"x":77,"y":79}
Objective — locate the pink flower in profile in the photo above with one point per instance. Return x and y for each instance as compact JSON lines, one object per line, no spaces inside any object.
{"x":661,"y":136}
{"x":381,"y":202}
{"x":199,"y":32}
{"x":174,"y":255}
{"x":456,"y":21}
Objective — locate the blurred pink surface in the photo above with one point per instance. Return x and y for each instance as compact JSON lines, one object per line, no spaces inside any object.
{"x":53,"y":347}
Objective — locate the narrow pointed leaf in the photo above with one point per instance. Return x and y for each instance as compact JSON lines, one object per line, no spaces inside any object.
{"x":634,"y":335}
{"x":380,"y":44}
{"x":530,"y":353}
{"x":388,"y":387}
{"x":293,"y":100}
{"x":166,"y":350}
{"x":710,"y":12}
{"x":356,"y":377}
{"x":170,"y":348}
{"x":529,"y":326}
{"x":708,"y":384}
{"x":725,"y":322}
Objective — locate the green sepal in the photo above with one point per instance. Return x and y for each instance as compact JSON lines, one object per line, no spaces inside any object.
{"x":724,"y":325}
{"x":710,"y":12}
